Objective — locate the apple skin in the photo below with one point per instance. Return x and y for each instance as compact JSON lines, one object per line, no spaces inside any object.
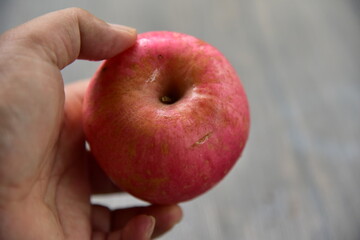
{"x":167,"y":119}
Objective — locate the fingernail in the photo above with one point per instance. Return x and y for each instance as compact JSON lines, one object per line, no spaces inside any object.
{"x":150,"y":227}
{"x":123,"y":28}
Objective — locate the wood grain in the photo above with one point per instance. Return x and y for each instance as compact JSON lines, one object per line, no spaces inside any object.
{"x":300,"y":63}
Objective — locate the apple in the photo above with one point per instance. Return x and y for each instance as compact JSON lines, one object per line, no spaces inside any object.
{"x":167,"y":119}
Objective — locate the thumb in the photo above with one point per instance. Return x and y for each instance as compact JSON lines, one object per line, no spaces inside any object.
{"x":61,"y":37}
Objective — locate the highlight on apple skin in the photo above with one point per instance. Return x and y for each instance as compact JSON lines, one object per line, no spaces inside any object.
{"x":167,"y":119}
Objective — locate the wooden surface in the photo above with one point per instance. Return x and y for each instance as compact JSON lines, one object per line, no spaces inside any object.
{"x":300,"y":63}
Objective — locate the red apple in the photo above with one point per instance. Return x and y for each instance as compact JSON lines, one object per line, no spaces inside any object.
{"x":166,"y":119}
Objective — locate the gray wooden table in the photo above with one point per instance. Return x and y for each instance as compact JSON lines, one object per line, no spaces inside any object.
{"x":300,"y":63}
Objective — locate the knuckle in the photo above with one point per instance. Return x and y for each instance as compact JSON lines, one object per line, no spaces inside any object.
{"x":77,"y":12}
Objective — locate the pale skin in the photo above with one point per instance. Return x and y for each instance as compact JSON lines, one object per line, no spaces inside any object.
{"x":46,"y":174}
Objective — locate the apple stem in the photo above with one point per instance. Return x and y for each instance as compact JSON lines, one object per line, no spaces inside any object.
{"x":166,"y":100}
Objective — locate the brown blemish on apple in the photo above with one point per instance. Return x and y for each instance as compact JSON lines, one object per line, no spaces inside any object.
{"x":104,"y":69}
{"x":245,"y":121}
{"x":202,"y":140}
{"x":187,"y":186}
{"x":132,"y":151}
{"x":209,"y":110}
{"x":165,"y":148}
{"x":163,"y":193}
{"x":225,"y":172}
{"x":147,"y":185}
{"x":225,"y":148}
{"x":205,"y":178}
{"x":142,"y":68}
{"x":201,"y":42}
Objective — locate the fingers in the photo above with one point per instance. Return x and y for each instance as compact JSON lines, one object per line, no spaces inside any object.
{"x":166,"y":217}
{"x":61,"y":37}
{"x":134,"y":223}
{"x":74,"y":95}
{"x":138,"y":228}
{"x":101,"y":218}
{"x":76,"y":90}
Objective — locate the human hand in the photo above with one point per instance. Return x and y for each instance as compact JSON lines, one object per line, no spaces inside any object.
{"x":46,"y":174}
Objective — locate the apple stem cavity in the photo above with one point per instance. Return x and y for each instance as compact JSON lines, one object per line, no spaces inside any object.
{"x":172,"y":93}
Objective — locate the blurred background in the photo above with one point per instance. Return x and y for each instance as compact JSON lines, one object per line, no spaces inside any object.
{"x":299,"y":61}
